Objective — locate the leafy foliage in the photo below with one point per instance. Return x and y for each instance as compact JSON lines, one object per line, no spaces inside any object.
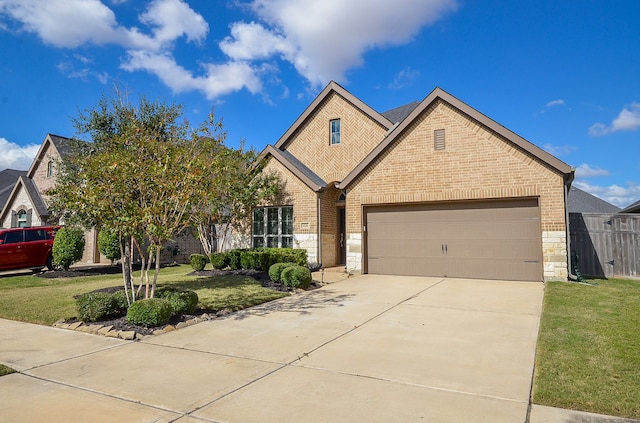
{"x":150,"y":312}
{"x":198,"y":261}
{"x":68,"y":246}
{"x":97,"y":306}
{"x":182,"y":301}
{"x":109,"y":245}
{"x":219,"y":260}
{"x":276,"y":269}
{"x":296,"y":277}
{"x":141,"y":174}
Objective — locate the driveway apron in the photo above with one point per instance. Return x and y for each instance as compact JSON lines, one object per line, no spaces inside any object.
{"x":370,"y":348}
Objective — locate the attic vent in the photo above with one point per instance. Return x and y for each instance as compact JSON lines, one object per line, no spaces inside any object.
{"x":438,"y":139}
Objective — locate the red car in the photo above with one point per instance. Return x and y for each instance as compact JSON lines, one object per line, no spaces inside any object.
{"x":27,"y":248}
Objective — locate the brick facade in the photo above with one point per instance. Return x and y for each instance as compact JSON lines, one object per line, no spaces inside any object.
{"x":378,"y":162}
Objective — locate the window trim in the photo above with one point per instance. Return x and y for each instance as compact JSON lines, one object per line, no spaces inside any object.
{"x":335,"y":137}
{"x":282,"y":239}
{"x":50,"y":169}
{"x":22,"y":217}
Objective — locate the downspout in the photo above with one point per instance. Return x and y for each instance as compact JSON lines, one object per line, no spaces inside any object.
{"x":319,"y":230}
{"x":570,"y":275}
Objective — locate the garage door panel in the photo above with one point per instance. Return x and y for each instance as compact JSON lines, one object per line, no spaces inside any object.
{"x":485,"y":239}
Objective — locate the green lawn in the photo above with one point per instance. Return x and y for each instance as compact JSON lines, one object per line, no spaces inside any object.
{"x":589,"y":348}
{"x":44,"y":301}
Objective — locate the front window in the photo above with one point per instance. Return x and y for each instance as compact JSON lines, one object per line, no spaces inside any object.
{"x":50,"y":169}
{"x":273,"y":227}
{"x":22,"y":219}
{"x":335,"y":131}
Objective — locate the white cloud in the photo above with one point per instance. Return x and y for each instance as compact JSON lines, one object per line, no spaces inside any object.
{"x":218,"y":79}
{"x":16,"y":156}
{"x":628,"y":120}
{"x":559,"y":150}
{"x":586,"y":171}
{"x":555,"y":103}
{"x":404,"y":78}
{"x":614,"y":194}
{"x":325,"y":39}
{"x":322,"y":40}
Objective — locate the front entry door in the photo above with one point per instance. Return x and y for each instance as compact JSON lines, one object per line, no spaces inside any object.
{"x":342,"y":236}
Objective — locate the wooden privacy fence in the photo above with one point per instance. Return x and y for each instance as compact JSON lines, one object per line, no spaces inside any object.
{"x":605,"y":245}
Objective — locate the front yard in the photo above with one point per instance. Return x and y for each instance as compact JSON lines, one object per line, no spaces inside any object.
{"x":588,"y":355}
{"x":44,"y":301}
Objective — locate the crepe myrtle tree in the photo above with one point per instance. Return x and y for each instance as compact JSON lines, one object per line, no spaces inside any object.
{"x":237,"y":188}
{"x":138,"y":171}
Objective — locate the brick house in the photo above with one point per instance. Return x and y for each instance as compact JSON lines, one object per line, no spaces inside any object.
{"x":26,"y":205}
{"x":431,"y":188}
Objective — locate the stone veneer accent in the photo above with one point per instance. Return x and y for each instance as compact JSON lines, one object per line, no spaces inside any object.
{"x":554,"y":252}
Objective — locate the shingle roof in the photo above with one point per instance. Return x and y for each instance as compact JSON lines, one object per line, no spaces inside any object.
{"x":634,"y":208}
{"x":400,"y":113}
{"x":63,"y":144}
{"x":583,"y":202}
{"x":304,"y":169}
{"x":8,"y":179}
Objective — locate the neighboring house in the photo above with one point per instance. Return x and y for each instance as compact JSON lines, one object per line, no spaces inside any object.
{"x":432,"y":188}
{"x":26,"y":203}
{"x":605,"y":241}
{"x":634,"y":208}
{"x":8,"y":179}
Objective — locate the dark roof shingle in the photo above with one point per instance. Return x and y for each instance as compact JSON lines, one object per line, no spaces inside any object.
{"x":583,"y":202}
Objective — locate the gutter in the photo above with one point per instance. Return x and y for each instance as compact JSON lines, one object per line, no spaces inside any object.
{"x":567,"y":186}
{"x":319,"y":258}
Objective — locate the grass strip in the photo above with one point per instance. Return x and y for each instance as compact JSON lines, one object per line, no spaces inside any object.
{"x":588,"y":355}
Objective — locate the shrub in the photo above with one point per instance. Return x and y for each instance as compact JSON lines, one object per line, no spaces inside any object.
{"x":286,"y":255}
{"x":109,"y":245}
{"x":296,"y":277}
{"x":150,"y":312}
{"x":198,"y":261}
{"x":182,"y":302}
{"x":121,"y":302}
{"x":219,"y":260}
{"x":257,"y":260}
{"x":68,"y":246}
{"x":234,"y":259}
{"x":275,"y":271}
{"x":97,"y":306}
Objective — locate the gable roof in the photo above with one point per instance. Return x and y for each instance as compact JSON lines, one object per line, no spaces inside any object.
{"x":439,"y":94}
{"x":33,"y":194}
{"x":8,"y":178}
{"x":634,"y":208}
{"x":332,"y":87}
{"x":62,"y":145}
{"x":400,"y":113}
{"x":583,"y":202}
{"x":295,"y":166}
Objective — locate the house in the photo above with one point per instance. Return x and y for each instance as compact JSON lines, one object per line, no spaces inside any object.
{"x":431,"y":188}
{"x":633,"y":208}
{"x":26,"y":201}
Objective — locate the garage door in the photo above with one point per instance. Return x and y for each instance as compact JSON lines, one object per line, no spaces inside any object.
{"x":480,"y":239}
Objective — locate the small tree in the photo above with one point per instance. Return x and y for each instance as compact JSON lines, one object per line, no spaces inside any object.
{"x":68,"y":246}
{"x":109,"y":245}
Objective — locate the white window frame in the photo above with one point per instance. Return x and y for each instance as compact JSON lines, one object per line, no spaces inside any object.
{"x":281,"y":236}
{"x":334,"y":130}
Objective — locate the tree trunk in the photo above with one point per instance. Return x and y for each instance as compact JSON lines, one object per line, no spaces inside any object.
{"x":155,"y":275}
{"x":125,"y":253}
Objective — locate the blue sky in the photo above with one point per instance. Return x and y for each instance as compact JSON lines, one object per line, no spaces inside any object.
{"x":565,"y":75}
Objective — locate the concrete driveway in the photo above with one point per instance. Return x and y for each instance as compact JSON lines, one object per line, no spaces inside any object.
{"x":370,"y":348}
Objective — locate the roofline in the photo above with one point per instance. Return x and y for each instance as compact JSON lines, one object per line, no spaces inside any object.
{"x":439,"y":93}
{"x":39,"y":156}
{"x":276,"y":153}
{"x":11,"y":197}
{"x":333,"y":87}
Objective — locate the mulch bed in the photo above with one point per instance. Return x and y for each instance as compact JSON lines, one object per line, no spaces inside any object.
{"x":123,"y":325}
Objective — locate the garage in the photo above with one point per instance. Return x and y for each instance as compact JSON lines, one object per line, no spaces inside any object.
{"x":471,"y":239}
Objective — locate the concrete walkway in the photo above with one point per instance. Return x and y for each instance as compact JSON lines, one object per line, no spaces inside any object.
{"x":369,"y":348}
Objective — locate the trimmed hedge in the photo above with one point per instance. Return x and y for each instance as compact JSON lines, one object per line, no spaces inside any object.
{"x":256,"y":260}
{"x":235,"y":259}
{"x":275,"y":271}
{"x":198,"y":261}
{"x":96,"y":306}
{"x":68,"y":246}
{"x":219,"y":260}
{"x":296,"y":277}
{"x":150,"y":312}
{"x":182,"y":302}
